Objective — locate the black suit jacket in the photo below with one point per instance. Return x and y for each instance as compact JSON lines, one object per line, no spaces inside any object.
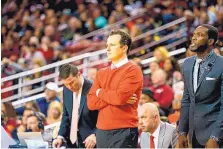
{"x":87,"y":119}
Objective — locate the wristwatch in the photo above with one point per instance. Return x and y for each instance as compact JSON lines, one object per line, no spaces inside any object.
{"x":182,"y":133}
{"x":216,"y":139}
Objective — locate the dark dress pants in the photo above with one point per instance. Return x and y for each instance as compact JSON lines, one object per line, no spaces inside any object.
{"x":117,"y":138}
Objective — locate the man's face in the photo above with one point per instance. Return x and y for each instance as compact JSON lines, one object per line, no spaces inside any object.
{"x":73,"y":83}
{"x":199,"y":40}
{"x":50,"y":94}
{"x":32,"y":123}
{"x":26,"y":113}
{"x":147,"y":121}
{"x":115,"y":51}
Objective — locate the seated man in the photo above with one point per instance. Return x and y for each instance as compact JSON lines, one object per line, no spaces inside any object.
{"x":155,"y":134}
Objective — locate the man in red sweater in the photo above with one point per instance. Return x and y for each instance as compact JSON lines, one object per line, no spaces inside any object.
{"x":111,"y":94}
{"x":163,"y":93}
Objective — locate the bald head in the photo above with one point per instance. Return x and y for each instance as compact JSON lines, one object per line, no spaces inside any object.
{"x":149,"y":118}
{"x":150,"y":109}
{"x":159,"y":77}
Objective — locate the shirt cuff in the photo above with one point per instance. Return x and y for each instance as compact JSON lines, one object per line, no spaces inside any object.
{"x":61,"y":137}
{"x":97,"y":92}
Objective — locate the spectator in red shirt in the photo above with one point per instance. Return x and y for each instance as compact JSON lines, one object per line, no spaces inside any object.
{"x":46,"y":50}
{"x":163,"y":93}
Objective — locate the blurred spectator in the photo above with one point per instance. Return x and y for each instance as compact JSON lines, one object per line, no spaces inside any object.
{"x":154,"y":65}
{"x":9,"y":67}
{"x":171,"y":67}
{"x":9,"y":49}
{"x":74,"y":26}
{"x":23,"y":126}
{"x":147,"y":96}
{"x":9,"y":114}
{"x":99,"y":20}
{"x":161,"y":54}
{"x":54,"y":112}
{"x":35,"y":122}
{"x":163,"y":93}
{"x":50,"y":96}
{"x":46,"y":50}
{"x":92,"y":73}
{"x":174,"y":117}
{"x":28,"y":105}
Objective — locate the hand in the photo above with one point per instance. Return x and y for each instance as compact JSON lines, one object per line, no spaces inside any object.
{"x":183,"y":142}
{"x":90,"y":141}
{"x":132,"y":99}
{"x":57,"y":143}
{"x":211,"y":144}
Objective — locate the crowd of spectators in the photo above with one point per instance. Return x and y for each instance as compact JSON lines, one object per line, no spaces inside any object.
{"x":39,"y":32}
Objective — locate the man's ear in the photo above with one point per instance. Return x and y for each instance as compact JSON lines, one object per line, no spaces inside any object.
{"x":211,"y":41}
{"x":125,"y":48}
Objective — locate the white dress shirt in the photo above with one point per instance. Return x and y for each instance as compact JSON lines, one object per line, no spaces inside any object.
{"x":78,"y":98}
{"x":79,"y":93}
{"x":195,"y":73}
{"x":120,"y":63}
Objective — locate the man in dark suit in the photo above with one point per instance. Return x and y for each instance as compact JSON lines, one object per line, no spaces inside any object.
{"x":78,"y":123}
{"x":202,"y":103}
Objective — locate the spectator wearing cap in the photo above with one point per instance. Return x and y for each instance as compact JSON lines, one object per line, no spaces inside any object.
{"x":147,"y":96}
{"x":50,"y":96}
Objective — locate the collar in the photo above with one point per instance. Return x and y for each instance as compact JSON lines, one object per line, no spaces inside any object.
{"x":205,"y":58}
{"x":120,"y":63}
{"x":156,"y":133}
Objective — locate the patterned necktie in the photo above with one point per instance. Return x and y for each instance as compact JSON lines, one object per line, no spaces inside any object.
{"x":74,"y":122}
{"x":152,"y":144}
{"x":197,"y":73}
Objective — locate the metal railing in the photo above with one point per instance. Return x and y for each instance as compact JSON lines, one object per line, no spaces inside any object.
{"x":21,"y":76}
{"x":20,"y":103}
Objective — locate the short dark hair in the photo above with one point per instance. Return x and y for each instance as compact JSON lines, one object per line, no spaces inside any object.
{"x":212,"y":32}
{"x":39,"y":116}
{"x":125,"y":38}
{"x":67,"y":69}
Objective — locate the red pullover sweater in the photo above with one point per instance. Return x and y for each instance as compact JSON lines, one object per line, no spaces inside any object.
{"x":116,"y":87}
